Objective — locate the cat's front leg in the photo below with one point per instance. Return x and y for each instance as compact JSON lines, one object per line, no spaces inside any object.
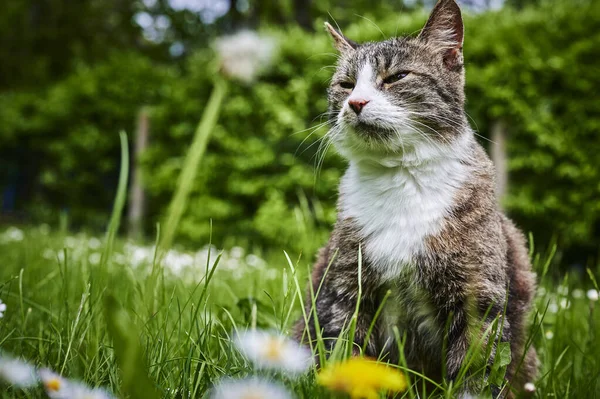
{"x":334,"y":294}
{"x":468,"y":335}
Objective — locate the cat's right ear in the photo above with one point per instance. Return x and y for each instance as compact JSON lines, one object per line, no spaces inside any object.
{"x":341,"y":42}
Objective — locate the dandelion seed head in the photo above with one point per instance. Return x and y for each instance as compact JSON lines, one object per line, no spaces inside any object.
{"x":244,"y":55}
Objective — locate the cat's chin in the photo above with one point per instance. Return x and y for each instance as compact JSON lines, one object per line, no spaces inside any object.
{"x":371,"y":132}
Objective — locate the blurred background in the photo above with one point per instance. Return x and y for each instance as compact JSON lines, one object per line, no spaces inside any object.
{"x":74,"y":74}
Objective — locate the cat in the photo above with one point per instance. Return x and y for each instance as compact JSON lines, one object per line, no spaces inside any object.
{"x":418,"y":202}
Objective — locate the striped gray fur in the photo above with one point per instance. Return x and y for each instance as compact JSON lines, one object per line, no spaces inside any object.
{"x":449,"y":256}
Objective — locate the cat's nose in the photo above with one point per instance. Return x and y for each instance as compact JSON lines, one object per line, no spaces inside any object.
{"x":357,"y":105}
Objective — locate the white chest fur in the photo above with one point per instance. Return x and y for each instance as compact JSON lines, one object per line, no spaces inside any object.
{"x":396,"y":208}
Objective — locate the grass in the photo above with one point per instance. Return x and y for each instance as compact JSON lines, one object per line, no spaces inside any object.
{"x":58,"y":316}
{"x":148,"y":324}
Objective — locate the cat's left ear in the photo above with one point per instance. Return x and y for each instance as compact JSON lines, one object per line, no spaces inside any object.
{"x":444,"y":31}
{"x":341,"y":42}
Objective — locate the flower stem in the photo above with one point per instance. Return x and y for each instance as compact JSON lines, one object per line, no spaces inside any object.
{"x":192,"y":161}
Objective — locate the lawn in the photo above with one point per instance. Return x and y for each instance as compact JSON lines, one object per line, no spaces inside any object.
{"x":107,"y":314}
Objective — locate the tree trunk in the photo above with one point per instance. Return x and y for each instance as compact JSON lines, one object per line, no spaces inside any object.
{"x":137,"y":197}
{"x":498,"y":154}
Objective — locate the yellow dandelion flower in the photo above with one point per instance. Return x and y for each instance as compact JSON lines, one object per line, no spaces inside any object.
{"x":362,"y":378}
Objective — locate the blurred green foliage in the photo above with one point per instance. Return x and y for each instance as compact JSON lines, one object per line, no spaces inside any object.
{"x":536,"y":70}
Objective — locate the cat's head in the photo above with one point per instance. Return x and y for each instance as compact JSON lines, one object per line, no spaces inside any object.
{"x":402,"y":96}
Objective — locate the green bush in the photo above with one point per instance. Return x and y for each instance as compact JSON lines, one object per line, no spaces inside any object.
{"x":535,"y":70}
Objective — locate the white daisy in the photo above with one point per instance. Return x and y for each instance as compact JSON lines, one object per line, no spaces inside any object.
{"x":55,"y":386}
{"x":252,"y":388}
{"x":592,"y":295}
{"x":58,"y":387}
{"x":243,"y":55}
{"x":269,"y":350}
{"x":17,"y":373}
{"x":2,"y":308}
{"x":80,"y":391}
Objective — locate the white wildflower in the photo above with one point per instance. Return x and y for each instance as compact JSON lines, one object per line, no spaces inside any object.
{"x":95,"y":258}
{"x":176,"y":261}
{"x":55,"y":386}
{"x":71,"y":242}
{"x":49,"y":254}
{"x":271,"y":274}
{"x":255,"y":261}
{"x":139,"y":255}
{"x":541,"y":291}
{"x":592,"y":295}
{"x":94,"y":243}
{"x":17,"y":373}
{"x":549,"y":334}
{"x":563,"y":290}
{"x":2,"y":308}
{"x":80,"y":391}
{"x":236,"y":252}
{"x":269,"y":350}
{"x":577,"y":293}
{"x":12,"y":234}
{"x":58,"y":387}
{"x":565,"y":303}
{"x":244,"y":55}
{"x":119,"y":258}
{"x":553,"y":308}
{"x":252,"y":388}
{"x":44,"y":229}
{"x":529,"y":387}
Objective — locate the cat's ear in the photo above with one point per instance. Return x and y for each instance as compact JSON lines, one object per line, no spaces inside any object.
{"x":341,"y":42}
{"x":445,"y":32}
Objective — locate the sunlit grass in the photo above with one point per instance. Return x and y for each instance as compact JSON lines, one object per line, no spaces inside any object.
{"x":56,"y":316}
{"x":112,"y":314}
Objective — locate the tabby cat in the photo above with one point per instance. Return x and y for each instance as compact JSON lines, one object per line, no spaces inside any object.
{"x":418,"y":201}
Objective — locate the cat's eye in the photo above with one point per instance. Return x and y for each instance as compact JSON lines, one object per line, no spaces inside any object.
{"x":395,"y":77}
{"x":347,"y":85}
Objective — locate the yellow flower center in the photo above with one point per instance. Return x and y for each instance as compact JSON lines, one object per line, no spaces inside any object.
{"x":53,"y":385}
{"x":274,"y":349}
{"x":253,"y":395}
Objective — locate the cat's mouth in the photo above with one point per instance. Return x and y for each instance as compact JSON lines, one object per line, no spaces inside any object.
{"x":370,"y":131}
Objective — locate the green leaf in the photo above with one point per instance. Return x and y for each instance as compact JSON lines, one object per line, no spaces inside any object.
{"x":135,"y":382}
